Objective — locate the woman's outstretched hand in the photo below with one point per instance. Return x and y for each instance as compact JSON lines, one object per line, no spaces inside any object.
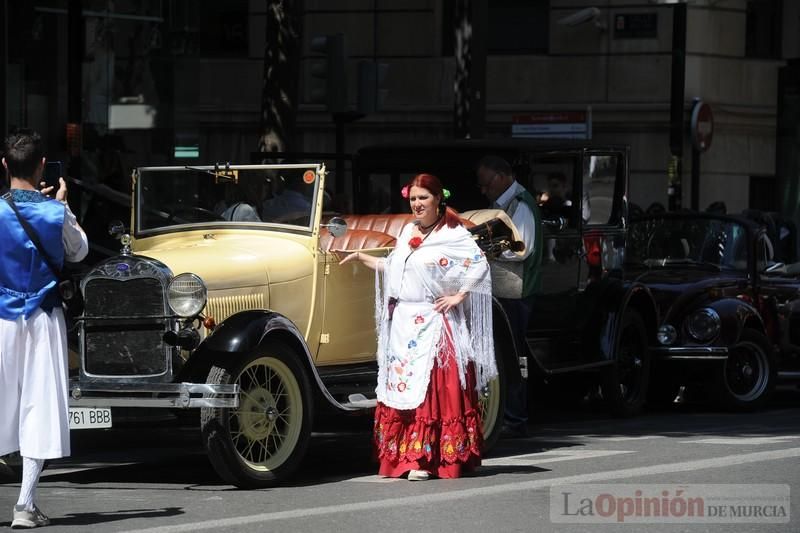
{"x":443,"y":304}
{"x":370,"y":261}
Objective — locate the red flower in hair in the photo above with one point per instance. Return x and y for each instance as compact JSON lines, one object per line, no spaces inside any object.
{"x":414,"y":242}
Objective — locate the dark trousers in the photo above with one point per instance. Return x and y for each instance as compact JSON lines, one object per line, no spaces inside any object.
{"x":518,"y":312}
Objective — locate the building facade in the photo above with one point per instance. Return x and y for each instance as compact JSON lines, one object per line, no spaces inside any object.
{"x":162,"y":81}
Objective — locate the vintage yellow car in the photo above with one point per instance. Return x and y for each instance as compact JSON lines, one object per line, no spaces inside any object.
{"x":226,"y":297}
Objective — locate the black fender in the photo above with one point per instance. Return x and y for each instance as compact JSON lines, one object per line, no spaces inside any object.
{"x":504,"y":336}
{"x":619,"y":299}
{"x":243,"y":332}
{"x":736,"y":315}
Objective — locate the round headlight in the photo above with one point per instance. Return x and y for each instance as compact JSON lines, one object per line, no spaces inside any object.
{"x":186,"y":295}
{"x":703,"y":325}
{"x":666,"y":334}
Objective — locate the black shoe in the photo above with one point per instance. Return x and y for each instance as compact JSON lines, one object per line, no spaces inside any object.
{"x":513,"y":432}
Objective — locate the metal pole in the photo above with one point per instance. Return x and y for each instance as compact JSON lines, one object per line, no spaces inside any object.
{"x":678,"y":81}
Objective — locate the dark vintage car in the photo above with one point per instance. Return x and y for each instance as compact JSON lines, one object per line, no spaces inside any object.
{"x":636,"y":308}
{"x":725,"y":307}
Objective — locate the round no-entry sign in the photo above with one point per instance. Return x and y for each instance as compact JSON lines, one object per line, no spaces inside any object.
{"x":702,"y":126}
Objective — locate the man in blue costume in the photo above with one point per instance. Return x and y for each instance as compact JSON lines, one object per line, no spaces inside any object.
{"x":33,"y":338}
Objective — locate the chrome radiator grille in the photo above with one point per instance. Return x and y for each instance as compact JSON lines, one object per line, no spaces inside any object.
{"x":121,"y":336}
{"x":134,"y":297}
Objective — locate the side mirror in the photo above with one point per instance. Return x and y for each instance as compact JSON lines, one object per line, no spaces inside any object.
{"x":116,"y":228}
{"x":337,"y":226}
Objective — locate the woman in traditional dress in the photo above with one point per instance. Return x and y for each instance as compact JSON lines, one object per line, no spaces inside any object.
{"x":435,"y":348}
{"x":33,"y":336}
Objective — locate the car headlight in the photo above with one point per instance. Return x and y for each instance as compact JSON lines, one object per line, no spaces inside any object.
{"x":703,"y":325}
{"x":186,"y":295}
{"x":666,"y":334}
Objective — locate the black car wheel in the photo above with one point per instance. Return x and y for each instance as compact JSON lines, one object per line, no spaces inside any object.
{"x":747,"y":377}
{"x":261,"y":442}
{"x":625,"y":383}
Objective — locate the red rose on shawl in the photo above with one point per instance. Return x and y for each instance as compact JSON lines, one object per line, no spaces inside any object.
{"x":414,"y":242}
{"x":443,"y":262}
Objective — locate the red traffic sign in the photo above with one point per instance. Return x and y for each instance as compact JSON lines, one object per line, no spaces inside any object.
{"x":702,"y":126}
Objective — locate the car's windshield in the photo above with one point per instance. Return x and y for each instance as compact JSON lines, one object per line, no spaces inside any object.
{"x":659,"y":242}
{"x":254,"y":194}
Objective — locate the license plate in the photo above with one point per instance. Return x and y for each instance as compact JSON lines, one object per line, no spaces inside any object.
{"x":89,"y":417}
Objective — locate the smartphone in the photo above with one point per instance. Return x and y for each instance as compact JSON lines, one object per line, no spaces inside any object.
{"x":52,"y":171}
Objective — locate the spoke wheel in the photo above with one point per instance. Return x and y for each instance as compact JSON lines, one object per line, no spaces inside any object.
{"x":491,"y":403}
{"x":263,"y":440}
{"x":748,"y":375}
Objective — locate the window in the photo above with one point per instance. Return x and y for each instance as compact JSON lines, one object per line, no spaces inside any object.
{"x":764,"y":253}
{"x":552,"y":181}
{"x":599,"y":182}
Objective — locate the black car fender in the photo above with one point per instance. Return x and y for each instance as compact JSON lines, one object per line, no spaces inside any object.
{"x":620,"y":299}
{"x":244,"y":332}
{"x":735,"y":315}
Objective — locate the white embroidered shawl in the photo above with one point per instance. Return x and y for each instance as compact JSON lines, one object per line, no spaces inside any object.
{"x":448,"y":261}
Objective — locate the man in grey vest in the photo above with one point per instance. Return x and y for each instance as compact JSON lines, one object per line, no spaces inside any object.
{"x":497,"y":183}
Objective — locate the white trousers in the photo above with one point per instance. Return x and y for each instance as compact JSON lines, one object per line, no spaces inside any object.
{"x":34,"y":408}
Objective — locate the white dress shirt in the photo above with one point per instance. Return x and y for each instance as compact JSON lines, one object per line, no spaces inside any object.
{"x":76,"y":245}
{"x":522,"y":217}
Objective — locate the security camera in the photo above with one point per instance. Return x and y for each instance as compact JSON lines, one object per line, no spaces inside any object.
{"x":590,"y":14}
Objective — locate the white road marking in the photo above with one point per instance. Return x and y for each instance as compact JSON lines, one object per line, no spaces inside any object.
{"x":552,"y":456}
{"x":482,"y":491}
{"x":743,"y":441}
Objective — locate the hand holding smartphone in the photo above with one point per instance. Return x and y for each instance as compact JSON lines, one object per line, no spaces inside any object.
{"x":53,"y":170}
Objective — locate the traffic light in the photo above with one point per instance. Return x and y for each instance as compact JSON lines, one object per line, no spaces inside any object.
{"x":332,"y":89}
{"x":371,"y":82}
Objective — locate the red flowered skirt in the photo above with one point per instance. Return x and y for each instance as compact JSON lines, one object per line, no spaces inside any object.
{"x":442,"y":435}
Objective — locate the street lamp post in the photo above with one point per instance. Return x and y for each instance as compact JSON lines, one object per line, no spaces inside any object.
{"x":676,"y":122}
